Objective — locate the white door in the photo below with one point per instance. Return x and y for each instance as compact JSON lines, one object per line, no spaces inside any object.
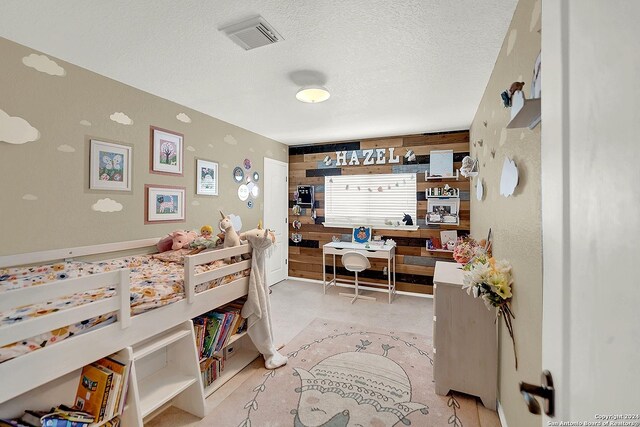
{"x":591,"y":209}
{"x":276,"y":217}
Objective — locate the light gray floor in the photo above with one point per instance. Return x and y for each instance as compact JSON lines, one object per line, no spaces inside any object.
{"x":294,"y":304}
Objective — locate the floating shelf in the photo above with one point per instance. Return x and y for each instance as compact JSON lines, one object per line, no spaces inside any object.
{"x":441,"y":178}
{"x":525,"y":113}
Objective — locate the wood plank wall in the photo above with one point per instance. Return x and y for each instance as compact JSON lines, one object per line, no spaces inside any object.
{"x":414,"y":264}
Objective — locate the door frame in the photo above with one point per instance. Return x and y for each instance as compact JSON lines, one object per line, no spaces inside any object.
{"x":555,"y":197}
{"x":286,"y":233}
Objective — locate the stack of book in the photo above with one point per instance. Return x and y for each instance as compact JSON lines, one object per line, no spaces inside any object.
{"x":210,"y":369}
{"x":60,"y":416}
{"x":214,"y":329}
{"x":102,"y":389}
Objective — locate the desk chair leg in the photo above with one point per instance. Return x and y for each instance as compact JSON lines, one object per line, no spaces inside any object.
{"x":356,"y":295}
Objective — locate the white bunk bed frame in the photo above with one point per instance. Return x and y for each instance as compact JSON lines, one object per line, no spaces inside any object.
{"x":31,"y":370}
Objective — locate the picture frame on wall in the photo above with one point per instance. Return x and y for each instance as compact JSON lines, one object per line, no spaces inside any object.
{"x":167,"y":152}
{"x":206,"y":177}
{"x":109,"y":166}
{"x":443,"y":211}
{"x":164,"y":204}
{"x":361,"y":234}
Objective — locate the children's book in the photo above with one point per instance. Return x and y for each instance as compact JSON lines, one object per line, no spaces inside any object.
{"x":93,"y":391}
{"x":122,"y":370}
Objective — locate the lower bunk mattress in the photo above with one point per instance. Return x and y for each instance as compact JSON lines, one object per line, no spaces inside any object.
{"x":155,"y":281}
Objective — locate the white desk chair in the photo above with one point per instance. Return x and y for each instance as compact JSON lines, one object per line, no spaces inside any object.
{"x":355,"y":262}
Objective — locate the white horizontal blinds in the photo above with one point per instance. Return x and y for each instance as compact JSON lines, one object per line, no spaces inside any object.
{"x":369,"y":199}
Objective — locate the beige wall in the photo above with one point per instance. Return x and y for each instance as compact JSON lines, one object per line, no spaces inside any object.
{"x":515,"y":221}
{"x":61,"y":214}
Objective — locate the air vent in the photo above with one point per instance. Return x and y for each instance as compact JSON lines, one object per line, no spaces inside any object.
{"x":252,"y":33}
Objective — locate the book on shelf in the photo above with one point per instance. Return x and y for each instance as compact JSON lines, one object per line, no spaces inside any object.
{"x":103,"y":388}
{"x":119,"y":392}
{"x":214,"y":329}
{"x":93,"y":391}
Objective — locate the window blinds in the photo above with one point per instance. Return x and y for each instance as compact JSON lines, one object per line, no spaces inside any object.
{"x":353,"y":200}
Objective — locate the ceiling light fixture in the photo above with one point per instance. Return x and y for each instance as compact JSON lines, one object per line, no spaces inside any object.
{"x":313,"y":94}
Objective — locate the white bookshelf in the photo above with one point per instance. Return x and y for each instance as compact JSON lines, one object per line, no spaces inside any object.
{"x":165,"y":370}
{"x":239,"y":352}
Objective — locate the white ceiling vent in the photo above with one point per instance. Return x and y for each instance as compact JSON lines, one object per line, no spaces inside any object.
{"x":252,"y":33}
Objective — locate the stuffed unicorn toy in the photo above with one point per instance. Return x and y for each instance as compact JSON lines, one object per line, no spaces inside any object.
{"x":257,"y":309}
{"x":231,"y":237}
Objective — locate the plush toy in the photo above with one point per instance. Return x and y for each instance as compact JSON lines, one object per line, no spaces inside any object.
{"x":231,"y":238}
{"x":508,"y":94}
{"x":176,"y":240}
{"x":206,"y":240}
{"x":182,"y":239}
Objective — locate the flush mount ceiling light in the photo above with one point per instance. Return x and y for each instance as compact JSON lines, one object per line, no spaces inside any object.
{"x":313,"y":94}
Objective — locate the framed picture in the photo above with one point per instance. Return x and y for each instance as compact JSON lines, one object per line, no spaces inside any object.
{"x":361,"y":234}
{"x":206,"y":177}
{"x":443,"y":211}
{"x":167,"y":150}
{"x":164,"y":204}
{"x":109,"y":166}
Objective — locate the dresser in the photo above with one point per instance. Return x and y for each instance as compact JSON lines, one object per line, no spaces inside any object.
{"x":465,"y":340}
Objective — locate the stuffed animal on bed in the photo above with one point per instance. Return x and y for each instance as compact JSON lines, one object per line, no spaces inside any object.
{"x":206,"y":239}
{"x":177,"y":240}
{"x":231,"y":237}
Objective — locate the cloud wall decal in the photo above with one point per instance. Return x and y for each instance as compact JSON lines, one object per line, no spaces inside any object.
{"x":29,"y":197}
{"x":122,"y":118}
{"x":66,"y":148}
{"x":183,"y":118}
{"x":85,"y":122}
{"x":43,"y":64}
{"x":229,"y":139}
{"x":190,"y":148}
{"x":16,"y":130}
{"x":106,"y":205}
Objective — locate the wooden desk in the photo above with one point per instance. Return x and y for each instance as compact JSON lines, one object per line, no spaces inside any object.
{"x":465,"y":339}
{"x":381,"y":252}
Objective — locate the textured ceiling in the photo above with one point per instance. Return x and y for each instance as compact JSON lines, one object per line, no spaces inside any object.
{"x":392,"y":67}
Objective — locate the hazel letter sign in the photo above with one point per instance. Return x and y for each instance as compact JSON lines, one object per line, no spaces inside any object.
{"x":378,"y":156}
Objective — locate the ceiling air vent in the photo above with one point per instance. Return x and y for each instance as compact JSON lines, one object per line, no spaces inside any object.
{"x":252,"y":33}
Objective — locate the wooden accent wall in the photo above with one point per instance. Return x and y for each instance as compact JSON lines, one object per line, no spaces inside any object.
{"x":414,"y":264}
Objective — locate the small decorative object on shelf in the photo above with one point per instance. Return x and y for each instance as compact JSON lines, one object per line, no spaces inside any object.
{"x":407,"y":219}
{"x":297,"y":210}
{"x":390,"y":242}
{"x":443,"y":192}
{"x":469,"y":167}
{"x":335,"y":239}
{"x":297,"y":225}
{"x":296,"y":238}
{"x":486,"y":278}
{"x":507,"y":95}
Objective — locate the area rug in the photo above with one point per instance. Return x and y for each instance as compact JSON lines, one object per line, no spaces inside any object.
{"x":341,"y":375}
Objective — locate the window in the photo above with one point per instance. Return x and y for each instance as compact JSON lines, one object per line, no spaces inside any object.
{"x":376,"y":200}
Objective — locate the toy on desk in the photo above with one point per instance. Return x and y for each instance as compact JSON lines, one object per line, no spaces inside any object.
{"x":390,"y":242}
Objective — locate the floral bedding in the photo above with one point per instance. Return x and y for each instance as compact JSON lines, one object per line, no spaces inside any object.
{"x":153,"y":283}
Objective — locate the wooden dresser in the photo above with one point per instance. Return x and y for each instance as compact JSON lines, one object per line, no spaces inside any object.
{"x":465,"y":340}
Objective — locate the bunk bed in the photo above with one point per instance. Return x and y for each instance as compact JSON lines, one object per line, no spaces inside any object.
{"x":102,"y":299}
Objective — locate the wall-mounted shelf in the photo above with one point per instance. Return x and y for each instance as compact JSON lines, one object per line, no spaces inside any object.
{"x":441,"y":178}
{"x":524,"y":112}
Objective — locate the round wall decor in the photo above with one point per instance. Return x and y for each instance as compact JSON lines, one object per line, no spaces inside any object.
{"x":250,"y":204}
{"x":256,"y":176}
{"x":255,"y":191}
{"x":297,"y":225}
{"x":247,"y":164}
{"x":243,"y":192}
{"x":238,"y":174}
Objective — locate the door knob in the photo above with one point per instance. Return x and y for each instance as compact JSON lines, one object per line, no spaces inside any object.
{"x":545,"y":391}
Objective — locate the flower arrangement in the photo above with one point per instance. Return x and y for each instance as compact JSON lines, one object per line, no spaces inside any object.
{"x":465,"y":250}
{"x":491,"y":280}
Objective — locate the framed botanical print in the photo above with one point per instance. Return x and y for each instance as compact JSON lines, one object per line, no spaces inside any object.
{"x":164,"y":204}
{"x":109,"y":166}
{"x":206,"y":177}
{"x":167,"y":152}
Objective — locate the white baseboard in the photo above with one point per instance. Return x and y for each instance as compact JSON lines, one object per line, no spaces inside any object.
{"x":503,"y":418}
{"x":366,"y":288}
